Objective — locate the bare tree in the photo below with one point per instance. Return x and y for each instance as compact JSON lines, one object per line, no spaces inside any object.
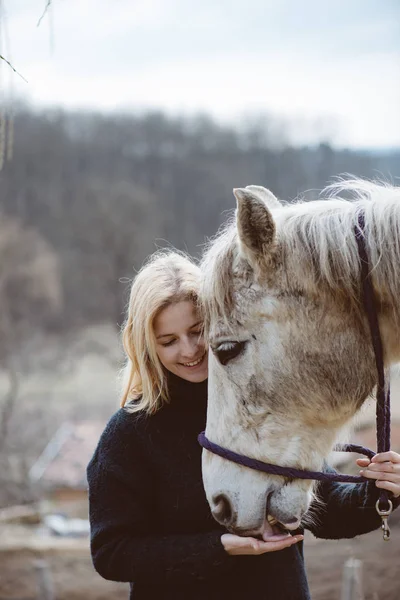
{"x":30,"y":293}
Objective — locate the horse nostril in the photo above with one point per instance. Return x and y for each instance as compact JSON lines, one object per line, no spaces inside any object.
{"x":222,"y":511}
{"x":292,"y":523}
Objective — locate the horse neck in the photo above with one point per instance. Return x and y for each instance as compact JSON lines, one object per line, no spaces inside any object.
{"x":389,"y":323}
{"x":384,"y":255}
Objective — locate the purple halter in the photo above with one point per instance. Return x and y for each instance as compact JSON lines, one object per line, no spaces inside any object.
{"x":384,"y":505}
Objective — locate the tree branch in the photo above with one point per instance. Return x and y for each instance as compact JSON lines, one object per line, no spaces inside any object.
{"x":15,"y":70}
{"x":46,"y":8}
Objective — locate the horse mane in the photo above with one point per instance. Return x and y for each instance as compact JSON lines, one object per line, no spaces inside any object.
{"x":216,"y":293}
{"x":318,"y":245}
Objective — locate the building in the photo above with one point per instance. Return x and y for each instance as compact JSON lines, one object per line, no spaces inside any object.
{"x":60,"y":471}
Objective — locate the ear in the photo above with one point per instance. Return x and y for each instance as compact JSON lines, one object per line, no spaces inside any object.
{"x":256,"y":227}
{"x":266,"y":195}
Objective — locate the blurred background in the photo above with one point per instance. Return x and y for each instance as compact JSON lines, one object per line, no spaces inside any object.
{"x":124,"y":126}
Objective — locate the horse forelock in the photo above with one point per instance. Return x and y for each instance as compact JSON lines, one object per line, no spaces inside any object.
{"x":217,"y":276}
{"x":317,"y":246}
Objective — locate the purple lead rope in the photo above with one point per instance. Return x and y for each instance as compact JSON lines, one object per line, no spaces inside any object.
{"x":382,"y":394}
{"x":291,"y":472}
{"x":383,"y":505}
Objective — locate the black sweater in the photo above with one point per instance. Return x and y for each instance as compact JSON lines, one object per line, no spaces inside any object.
{"x":151,"y":524}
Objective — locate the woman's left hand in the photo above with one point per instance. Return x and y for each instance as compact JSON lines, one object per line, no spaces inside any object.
{"x":385,"y":469}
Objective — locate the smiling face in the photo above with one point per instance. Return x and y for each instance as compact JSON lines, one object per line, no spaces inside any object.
{"x":179,"y":343}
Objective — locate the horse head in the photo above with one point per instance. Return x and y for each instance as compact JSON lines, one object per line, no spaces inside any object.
{"x":291,"y":359}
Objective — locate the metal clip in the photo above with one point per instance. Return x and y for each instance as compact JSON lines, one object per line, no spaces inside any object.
{"x":384,"y":516}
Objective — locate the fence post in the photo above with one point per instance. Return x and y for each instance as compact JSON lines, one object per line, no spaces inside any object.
{"x":45,"y":584}
{"x":352,"y":580}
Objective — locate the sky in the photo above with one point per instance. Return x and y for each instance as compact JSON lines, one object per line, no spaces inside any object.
{"x":329,"y":69}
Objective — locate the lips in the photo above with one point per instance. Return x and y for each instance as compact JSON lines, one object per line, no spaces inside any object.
{"x":272,"y":530}
{"x":194,"y":363}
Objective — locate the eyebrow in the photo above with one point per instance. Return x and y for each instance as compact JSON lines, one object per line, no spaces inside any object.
{"x":172,"y":334}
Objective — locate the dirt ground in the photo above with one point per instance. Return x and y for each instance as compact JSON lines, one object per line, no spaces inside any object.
{"x":73,"y":577}
{"x":380,"y":569}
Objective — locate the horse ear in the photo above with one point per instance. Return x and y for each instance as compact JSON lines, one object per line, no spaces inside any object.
{"x":256,"y":227}
{"x":266,"y":195}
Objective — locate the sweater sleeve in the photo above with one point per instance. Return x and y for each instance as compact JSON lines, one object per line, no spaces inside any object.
{"x":124,"y":545}
{"x":344,"y":510}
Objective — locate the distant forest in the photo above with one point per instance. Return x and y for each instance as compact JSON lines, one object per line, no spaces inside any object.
{"x":91,"y":195}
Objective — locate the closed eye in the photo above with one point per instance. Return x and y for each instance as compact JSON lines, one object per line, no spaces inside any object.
{"x":229,"y":350}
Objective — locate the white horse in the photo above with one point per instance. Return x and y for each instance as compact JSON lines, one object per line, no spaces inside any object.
{"x":291,"y":357}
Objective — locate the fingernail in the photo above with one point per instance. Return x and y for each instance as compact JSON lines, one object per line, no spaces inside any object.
{"x":361,"y":472}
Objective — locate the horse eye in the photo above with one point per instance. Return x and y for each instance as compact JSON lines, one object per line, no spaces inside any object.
{"x":228,"y":350}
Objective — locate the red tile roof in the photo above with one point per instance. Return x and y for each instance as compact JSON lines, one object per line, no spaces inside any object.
{"x":64,"y":460}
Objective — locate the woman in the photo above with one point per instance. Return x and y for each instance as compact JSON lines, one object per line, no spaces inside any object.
{"x":150,"y":522}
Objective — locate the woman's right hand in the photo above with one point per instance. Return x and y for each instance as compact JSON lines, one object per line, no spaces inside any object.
{"x":235,"y":544}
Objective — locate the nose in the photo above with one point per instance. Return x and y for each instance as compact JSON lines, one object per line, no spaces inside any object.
{"x":189,"y":348}
{"x":287,"y":519}
{"x":222,"y":510}
{"x":292,"y":523}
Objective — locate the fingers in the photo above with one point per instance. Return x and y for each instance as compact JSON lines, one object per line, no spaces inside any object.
{"x":363,"y":462}
{"x":384,"y":468}
{"x":390,"y":486}
{"x":387,"y":467}
{"x":381,"y":475}
{"x":387,"y":462}
{"x":263,"y":547}
{"x":390,"y":456}
{"x":251,"y":546}
{"x":386,"y":472}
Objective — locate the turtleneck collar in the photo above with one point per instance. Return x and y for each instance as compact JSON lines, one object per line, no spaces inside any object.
{"x":186,"y":394}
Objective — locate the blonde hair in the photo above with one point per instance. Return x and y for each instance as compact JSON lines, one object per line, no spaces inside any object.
{"x":167,"y":277}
